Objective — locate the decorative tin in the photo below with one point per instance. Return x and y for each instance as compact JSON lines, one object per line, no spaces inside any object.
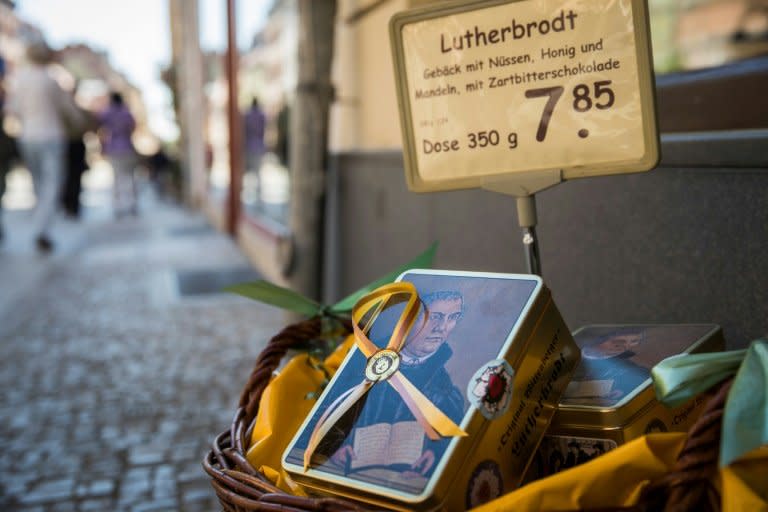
{"x":450,"y":416}
{"x":611,"y":399}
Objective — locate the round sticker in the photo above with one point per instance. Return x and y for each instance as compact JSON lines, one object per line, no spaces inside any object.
{"x":485,"y":484}
{"x":382,"y":365}
{"x":490,"y":388}
{"x":655,"y":425}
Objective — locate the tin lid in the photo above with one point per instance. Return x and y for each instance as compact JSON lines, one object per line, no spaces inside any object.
{"x":473,"y":318}
{"x":612,"y":384}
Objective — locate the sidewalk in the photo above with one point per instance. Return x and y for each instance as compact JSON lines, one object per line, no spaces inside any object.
{"x":120,"y":362}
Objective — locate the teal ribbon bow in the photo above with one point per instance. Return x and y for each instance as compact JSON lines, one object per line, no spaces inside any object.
{"x":679,"y":378}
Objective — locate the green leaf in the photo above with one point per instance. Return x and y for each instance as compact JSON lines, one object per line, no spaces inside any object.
{"x":423,"y":260}
{"x":269,"y":293}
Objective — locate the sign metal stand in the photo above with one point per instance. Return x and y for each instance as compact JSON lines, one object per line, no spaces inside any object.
{"x":516,"y":96}
{"x":524,"y":189}
{"x":526,"y":214}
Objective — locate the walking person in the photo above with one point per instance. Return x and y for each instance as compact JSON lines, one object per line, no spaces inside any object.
{"x":43,"y":108}
{"x":76,"y":163}
{"x":116,"y":124}
{"x":254,"y":122}
{"x":8,"y":156}
{"x":282,"y":144}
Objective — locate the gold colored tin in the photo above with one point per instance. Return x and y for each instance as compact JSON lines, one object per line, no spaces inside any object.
{"x":504,"y":356}
{"x":611,"y":399}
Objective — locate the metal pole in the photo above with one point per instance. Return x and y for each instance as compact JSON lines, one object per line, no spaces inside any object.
{"x":235,"y":125}
{"x":526,"y":215}
{"x":531,"y":244}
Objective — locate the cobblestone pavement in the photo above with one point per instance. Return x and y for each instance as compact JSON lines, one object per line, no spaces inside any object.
{"x":113,"y":383}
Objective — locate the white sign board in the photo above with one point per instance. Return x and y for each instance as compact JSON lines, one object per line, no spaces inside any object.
{"x":495,"y":90}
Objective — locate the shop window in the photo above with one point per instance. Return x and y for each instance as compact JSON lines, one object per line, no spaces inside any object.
{"x":711,"y":62}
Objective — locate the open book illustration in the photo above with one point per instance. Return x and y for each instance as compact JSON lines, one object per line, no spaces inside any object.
{"x":384,"y":444}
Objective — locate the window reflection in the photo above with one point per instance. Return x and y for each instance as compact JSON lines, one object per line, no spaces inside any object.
{"x":695,"y":34}
{"x":268,"y":73}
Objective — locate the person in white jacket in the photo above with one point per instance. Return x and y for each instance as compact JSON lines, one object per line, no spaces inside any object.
{"x":43,"y":109}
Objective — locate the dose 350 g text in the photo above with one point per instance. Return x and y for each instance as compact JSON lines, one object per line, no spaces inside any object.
{"x":475,"y":140}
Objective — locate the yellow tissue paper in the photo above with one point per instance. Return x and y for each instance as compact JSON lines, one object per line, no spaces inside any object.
{"x":283,"y":407}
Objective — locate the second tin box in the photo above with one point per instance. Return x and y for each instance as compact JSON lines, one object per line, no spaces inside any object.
{"x":611,"y":399}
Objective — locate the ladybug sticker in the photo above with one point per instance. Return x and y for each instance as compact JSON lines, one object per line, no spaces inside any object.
{"x":490,"y":388}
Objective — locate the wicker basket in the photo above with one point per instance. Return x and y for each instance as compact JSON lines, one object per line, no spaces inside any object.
{"x":242,"y":488}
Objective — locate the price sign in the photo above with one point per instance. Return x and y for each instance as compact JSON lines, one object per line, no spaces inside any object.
{"x":496,"y":90}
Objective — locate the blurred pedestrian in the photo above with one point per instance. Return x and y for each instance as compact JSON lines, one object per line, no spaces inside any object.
{"x":76,"y":163}
{"x":116,"y":125}
{"x":163,"y":173}
{"x":282,"y":147}
{"x":43,"y":109}
{"x":254,"y":121}
{"x":9,"y":154}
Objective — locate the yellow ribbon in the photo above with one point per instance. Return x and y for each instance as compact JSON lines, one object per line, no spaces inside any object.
{"x":432,"y":420}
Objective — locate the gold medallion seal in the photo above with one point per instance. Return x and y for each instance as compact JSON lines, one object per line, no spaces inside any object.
{"x":382,"y":365}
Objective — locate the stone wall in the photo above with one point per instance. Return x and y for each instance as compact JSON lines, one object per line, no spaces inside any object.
{"x":675,"y":244}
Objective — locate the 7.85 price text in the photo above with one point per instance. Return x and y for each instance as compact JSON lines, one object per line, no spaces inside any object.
{"x":584,"y":98}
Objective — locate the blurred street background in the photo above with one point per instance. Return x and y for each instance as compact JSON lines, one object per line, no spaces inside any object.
{"x":224,"y":141}
{"x":121,"y":359}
